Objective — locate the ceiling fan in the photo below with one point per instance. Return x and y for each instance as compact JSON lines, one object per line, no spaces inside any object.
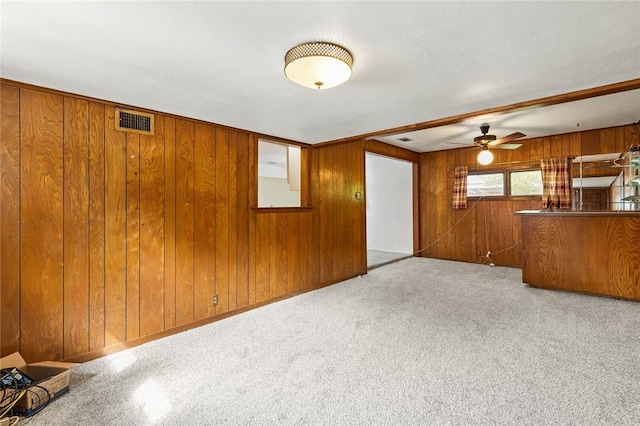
{"x":490,"y":141}
{"x":486,"y":141}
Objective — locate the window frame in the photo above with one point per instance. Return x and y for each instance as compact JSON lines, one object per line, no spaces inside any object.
{"x":488,"y":172}
{"x":507,"y":183}
{"x":304,"y":176}
{"x":528,"y":169}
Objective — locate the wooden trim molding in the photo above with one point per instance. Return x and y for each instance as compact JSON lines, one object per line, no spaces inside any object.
{"x":261,"y":210}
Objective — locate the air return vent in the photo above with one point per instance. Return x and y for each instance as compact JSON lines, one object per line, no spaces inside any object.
{"x":134,"y":121}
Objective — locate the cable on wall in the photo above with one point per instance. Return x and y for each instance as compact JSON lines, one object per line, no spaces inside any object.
{"x":485,"y":258}
{"x":450,"y":229}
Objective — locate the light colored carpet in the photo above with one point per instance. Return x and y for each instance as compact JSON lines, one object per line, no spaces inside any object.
{"x":416,"y":342}
{"x":377,"y":258}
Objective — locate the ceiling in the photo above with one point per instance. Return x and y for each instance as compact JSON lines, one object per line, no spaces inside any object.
{"x":414,"y":62}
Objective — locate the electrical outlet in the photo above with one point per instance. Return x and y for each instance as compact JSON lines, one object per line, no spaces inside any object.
{"x":214,"y":300}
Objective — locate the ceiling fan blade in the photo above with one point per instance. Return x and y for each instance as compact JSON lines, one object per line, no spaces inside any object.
{"x":461,"y":144}
{"x":508,"y":138}
{"x":508,"y":146}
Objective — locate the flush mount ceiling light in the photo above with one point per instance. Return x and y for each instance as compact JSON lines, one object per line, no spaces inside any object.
{"x":318,"y":65}
{"x":485,"y":156}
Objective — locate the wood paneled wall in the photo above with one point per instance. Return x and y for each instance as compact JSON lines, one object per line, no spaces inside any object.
{"x":490,"y":225}
{"x":112,"y":238}
{"x":337,"y":174}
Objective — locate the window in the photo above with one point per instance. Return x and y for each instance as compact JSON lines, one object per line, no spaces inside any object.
{"x":527,"y":182}
{"x":485,"y":185}
{"x":517,"y":183}
{"x":278,"y":174}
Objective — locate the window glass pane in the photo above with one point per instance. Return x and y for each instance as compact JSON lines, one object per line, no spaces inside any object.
{"x":278,"y":175}
{"x":485,"y":185}
{"x":528,"y":182}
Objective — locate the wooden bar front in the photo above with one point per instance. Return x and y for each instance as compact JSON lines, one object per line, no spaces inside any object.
{"x":587,"y":252}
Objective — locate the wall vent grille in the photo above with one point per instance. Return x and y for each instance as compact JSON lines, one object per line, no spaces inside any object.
{"x":134,"y":121}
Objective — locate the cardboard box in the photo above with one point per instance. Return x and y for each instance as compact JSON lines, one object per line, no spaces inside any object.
{"x":51,"y":376}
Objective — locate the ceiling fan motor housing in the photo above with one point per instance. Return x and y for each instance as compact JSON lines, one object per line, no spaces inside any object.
{"x":484,"y":139}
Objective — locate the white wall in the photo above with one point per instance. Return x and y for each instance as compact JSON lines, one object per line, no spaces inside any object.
{"x":389,"y":196}
{"x":275,"y":192}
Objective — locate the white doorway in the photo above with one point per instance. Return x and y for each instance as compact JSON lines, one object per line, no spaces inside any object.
{"x":389,"y":205}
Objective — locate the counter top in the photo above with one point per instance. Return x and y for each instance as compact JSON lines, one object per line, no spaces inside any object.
{"x":577,"y":213}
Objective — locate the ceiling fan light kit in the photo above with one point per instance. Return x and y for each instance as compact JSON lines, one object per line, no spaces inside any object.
{"x":318,"y":65}
{"x":485,"y":156}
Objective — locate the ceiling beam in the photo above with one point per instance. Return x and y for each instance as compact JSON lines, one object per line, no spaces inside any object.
{"x":505,"y":109}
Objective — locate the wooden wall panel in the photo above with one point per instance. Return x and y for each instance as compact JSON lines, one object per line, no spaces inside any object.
{"x":294,"y":258}
{"x":315,"y":249}
{"x":307,"y":263}
{"x":115,"y":303}
{"x":442,"y":207}
{"x":41,"y":223}
{"x":283,"y":239}
{"x":232,"y":209}
{"x":254,"y":243}
{"x":536,"y":148}
{"x":185,"y":227}
{"x":608,"y":141}
{"x":96,"y":226}
{"x":241,"y":213}
{"x":152,"y":236}
{"x":76,"y":227}
{"x":339,"y":241}
{"x":357,"y":211}
{"x":222,"y":219}
{"x":420,"y":244}
{"x":276,"y":269}
{"x":557,"y":147}
{"x":9,"y":219}
{"x":575,"y":144}
{"x":262,"y":256}
{"x":133,"y":236}
{"x":631,"y":137}
{"x":283,"y":264}
{"x":169,"y":222}
{"x":339,"y":216}
{"x":205,"y":222}
{"x":591,"y":142}
{"x":323,"y":203}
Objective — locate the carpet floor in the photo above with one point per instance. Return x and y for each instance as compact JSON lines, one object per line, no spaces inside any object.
{"x":377,"y":258}
{"x":415,"y":342}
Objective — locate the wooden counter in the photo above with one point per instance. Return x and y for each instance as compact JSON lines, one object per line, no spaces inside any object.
{"x":587,"y":252}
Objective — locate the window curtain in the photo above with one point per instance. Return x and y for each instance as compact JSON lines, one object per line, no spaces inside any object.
{"x":460,"y":187}
{"x":556,"y":183}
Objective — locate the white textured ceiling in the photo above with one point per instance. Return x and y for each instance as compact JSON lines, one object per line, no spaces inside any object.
{"x":413,"y":61}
